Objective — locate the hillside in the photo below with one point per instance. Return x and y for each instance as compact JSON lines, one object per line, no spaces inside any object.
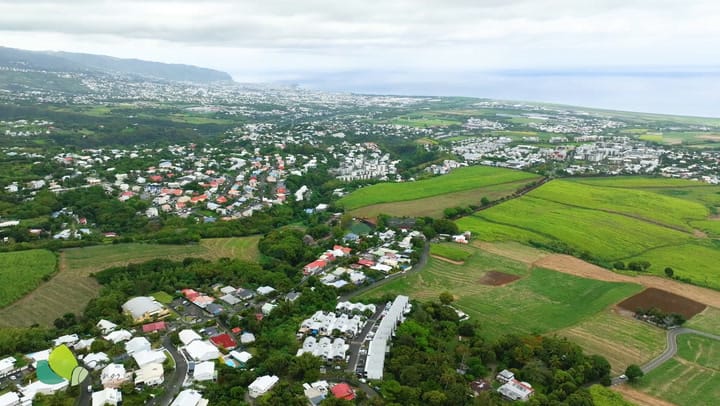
{"x":77,"y":62}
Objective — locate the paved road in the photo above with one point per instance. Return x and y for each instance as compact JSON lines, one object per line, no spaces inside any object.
{"x":416,"y":268}
{"x":670,"y":349}
{"x":357,"y":342}
{"x":173,"y":382}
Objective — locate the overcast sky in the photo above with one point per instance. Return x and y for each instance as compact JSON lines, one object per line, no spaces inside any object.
{"x":265,"y":40}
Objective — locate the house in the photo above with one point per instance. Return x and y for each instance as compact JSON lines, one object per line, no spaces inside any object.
{"x":265,"y":290}
{"x":83,"y":344}
{"x":118,"y":336}
{"x":146,"y":357}
{"x":153,"y":327}
{"x":505,"y":376}
{"x":314,"y":267}
{"x":7,"y":365}
{"x":202,"y":351}
{"x":343,"y":391}
{"x":189,"y":397}
{"x":315,"y":393}
{"x":247,"y":338}
{"x":9,"y":399}
{"x":113,"y":376}
{"x":262,"y":385}
{"x":150,"y":375}
{"x":244,"y":294}
{"x":29,"y":391}
{"x":142,"y":308}
{"x":292,"y":296}
{"x":137,"y":344}
{"x":69,"y":340}
{"x":96,"y":360}
{"x":107,"y":396}
{"x":187,"y":336}
{"x":242,"y":357}
{"x":204,"y":371}
{"x":516,"y":390}
{"x":267,"y":308}
{"x":230,"y":299}
{"x":224,"y":341}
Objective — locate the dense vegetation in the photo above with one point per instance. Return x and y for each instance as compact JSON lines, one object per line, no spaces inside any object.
{"x":20,"y":272}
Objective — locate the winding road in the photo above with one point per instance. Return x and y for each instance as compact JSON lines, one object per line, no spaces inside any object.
{"x":670,"y":349}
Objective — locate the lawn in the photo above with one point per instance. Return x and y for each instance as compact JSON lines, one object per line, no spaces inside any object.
{"x":23,"y":271}
{"x":683,"y":383}
{"x":622,"y":340}
{"x":603,"y":396}
{"x":540,"y":302}
{"x":72,"y":287}
{"x":700,"y":350}
{"x":435,"y":205}
{"x":162,"y":297}
{"x":456,"y":181}
{"x":451,"y":251}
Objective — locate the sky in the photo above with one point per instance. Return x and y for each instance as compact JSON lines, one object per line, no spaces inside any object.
{"x":648,"y":55}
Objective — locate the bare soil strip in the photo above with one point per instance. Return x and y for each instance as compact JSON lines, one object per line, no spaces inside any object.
{"x":643,"y":399}
{"x":448,"y":260}
{"x":495,"y":278}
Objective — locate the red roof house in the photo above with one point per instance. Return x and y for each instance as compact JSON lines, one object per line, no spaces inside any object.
{"x":314,"y":267}
{"x":366,"y":262}
{"x":343,"y":391}
{"x":190,"y":294}
{"x":152,"y":327}
{"x":224,"y":341}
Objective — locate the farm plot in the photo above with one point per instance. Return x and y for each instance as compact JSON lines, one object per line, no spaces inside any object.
{"x":683,"y":383}
{"x":72,"y":287}
{"x":700,"y":350}
{"x":461,"y":179}
{"x":662,"y":300}
{"x":695,"y":262}
{"x":452,"y":252}
{"x":708,"y":320}
{"x":23,"y":271}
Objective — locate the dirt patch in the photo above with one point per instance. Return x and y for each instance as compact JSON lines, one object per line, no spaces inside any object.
{"x":516,"y":251}
{"x":643,"y":399}
{"x":495,"y":278}
{"x":709,"y":137}
{"x":448,"y":260}
{"x":578,"y":267}
{"x":699,"y":233}
{"x":665,"y":301}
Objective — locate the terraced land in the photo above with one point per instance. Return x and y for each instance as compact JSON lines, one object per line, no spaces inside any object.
{"x":540,"y":301}
{"x":667,"y":222}
{"x":71,"y":288}
{"x":459,"y":180}
{"x":683,"y":382}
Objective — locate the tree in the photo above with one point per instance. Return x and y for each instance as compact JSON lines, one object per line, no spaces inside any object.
{"x":669,"y":272}
{"x":633,"y":372}
{"x":484,"y":201}
{"x":446,"y":298}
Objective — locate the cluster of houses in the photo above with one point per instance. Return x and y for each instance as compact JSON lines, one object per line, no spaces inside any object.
{"x":513,"y":389}
{"x":362,"y":161}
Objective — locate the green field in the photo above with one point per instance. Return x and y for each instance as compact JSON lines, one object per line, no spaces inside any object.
{"x":662,"y":221}
{"x":23,"y":271}
{"x":162,"y":297}
{"x":708,"y":320}
{"x":434,"y":206}
{"x":621,"y":339}
{"x":541,"y":301}
{"x":603,"y":396}
{"x":683,"y":383}
{"x":700,"y":350}
{"x":451,"y":251}
{"x":461,"y":179}
{"x":71,"y":288}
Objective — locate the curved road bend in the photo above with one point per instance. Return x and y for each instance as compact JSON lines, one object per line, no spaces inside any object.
{"x":173,"y":381}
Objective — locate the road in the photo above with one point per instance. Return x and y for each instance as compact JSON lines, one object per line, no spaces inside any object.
{"x":173,"y":381}
{"x":357,"y":342}
{"x":670,"y":349}
{"x":416,"y":268}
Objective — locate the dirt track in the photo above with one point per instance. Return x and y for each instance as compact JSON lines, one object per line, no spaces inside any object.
{"x":448,"y":260}
{"x":578,"y":267}
{"x":643,"y":399}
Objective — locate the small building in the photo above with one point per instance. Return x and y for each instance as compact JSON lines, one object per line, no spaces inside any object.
{"x":247,"y":338}
{"x":187,"y":336}
{"x":265,"y":290}
{"x":118,"y":336}
{"x":202,"y":351}
{"x":262,"y":385}
{"x":142,"y":308}
{"x":95,"y":360}
{"x":153,"y":327}
{"x":343,"y":391}
{"x":224,"y":341}
{"x":189,"y":397}
{"x":137,"y":344}
{"x":7,"y":365}
{"x":204,"y":371}
{"x":146,"y":357}
{"x":505,"y":376}
{"x":10,"y":399}
{"x":242,"y":357}
{"x":113,"y":376}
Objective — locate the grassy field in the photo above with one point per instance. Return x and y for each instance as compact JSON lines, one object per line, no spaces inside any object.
{"x":663,"y":221}
{"x":434,"y":206}
{"x":622,"y":340}
{"x":708,"y":321}
{"x":461,"y":179}
{"x":700,"y":350}
{"x":162,"y":297}
{"x":71,"y":288}
{"x":603,"y":396}
{"x":21,"y":272}
{"x":541,"y":301}
{"x":683,"y":383}
{"x":451,"y":251}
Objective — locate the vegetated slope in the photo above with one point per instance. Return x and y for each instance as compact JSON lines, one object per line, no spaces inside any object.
{"x":458,"y":180}
{"x":540,"y":301}
{"x":21,"y":272}
{"x":610,"y":223}
{"x":77,"y":62}
{"x":72,"y":287}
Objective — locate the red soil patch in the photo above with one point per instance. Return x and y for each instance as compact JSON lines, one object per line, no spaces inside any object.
{"x":494,"y":278}
{"x":665,"y":301}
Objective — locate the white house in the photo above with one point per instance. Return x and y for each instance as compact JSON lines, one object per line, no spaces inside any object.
{"x":36,"y":387}
{"x":143,"y":358}
{"x":243,"y":356}
{"x":107,"y":396}
{"x":95,"y":360}
{"x":7,"y":365}
{"x":516,"y":390}
{"x":143,"y":307}
{"x":106,"y":327}
{"x":9,"y":399}
{"x":187,"y":336}
{"x":150,"y":375}
{"x":189,"y":397}
{"x":247,"y":338}
{"x":69,"y":339}
{"x":202,"y":351}
{"x":204,"y":371}
{"x":137,"y":344}
{"x":118,"y":336}
{"x":262,"y":385}
{"x":113,"y":376}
